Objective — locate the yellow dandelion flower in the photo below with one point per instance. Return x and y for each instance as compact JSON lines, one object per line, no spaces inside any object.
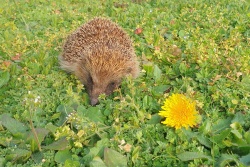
{"x":179,"y":112}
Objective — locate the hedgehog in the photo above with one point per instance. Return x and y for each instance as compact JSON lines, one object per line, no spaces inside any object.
{"x":100,"y":54}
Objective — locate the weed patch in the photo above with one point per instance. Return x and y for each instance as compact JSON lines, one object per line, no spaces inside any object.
{"x":196,"y":48}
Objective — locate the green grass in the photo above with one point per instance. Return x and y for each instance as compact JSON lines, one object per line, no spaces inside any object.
{"x":197,"y":48}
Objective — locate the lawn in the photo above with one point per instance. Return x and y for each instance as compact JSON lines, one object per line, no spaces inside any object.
{"x":197,"y":48}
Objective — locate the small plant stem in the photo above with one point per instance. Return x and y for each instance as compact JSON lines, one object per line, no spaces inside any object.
{"x":35,"y":134}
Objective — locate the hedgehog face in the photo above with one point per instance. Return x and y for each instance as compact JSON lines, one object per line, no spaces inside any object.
{"x":102,"y":74}
{"x":96,"y":86}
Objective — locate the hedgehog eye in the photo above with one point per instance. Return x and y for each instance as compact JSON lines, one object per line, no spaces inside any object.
{"x":90,"y":80}
{"x":112,"y":84}
{"x":110,"y":88}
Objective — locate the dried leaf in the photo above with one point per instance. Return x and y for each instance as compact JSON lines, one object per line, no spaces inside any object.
{"x":6,"y":63}
{"x":16,"y":57}
{"x":138,"y":31}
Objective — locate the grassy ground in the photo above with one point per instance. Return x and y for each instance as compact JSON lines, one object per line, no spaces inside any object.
{"x":197,"y":48}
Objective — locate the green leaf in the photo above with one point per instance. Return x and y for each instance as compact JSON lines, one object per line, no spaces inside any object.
{"x":187,"y":156}
{"x":101,"y":144}
{"x":220,"y":137}
{"x":237,"y":133}
{"x":62,"y":156}
{"x":206,"y":127}
{"x":94,"y":114}
{"x":60,"y":144}
{"x":97,"y":150}
{"x":52,"y":128}
{"x":155,"y":119}
{"x":71,"y":163}
{"x":247,"y":137}
{"x":19,"y":155}
{"x":37,"y":157}
{"x":4,"y":78}
{"x":41,"y":133}
{"x":113,"y":158}
{"x":189,"y":134}
{"x":183,"y":68}
{"x":135,"y":153}
{"x":159,"y":90}
{"x":225,"y":159}
{"x":204,"y":141}
{"x":239,"y":117}
{"x":245,"y":160}
{"x":12,"y":125}
{"x":200,"y":137}
{"x":242,"y":150}
{"x":148,"y":67}
{"x":97,"y":162}
{"x":157,"y":73}
{"x":221,"y":125}
{"x":2,"y":161}
{"x":94,"y":151}
{"x":146,"y":101}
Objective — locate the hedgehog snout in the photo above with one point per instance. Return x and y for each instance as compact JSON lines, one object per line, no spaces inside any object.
{"x":94,"y":101}
{"x":94,"y":93}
